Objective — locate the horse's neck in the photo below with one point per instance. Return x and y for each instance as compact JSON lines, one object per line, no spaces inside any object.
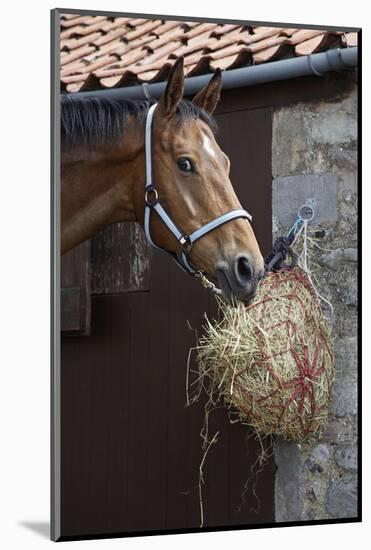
{"x":96,"y":190}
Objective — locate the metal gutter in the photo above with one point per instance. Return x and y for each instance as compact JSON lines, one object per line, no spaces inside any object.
{"x":313,"y":64}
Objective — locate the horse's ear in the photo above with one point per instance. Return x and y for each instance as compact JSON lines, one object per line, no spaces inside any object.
{"x":174,"y":90}
{"x":208,"y":97}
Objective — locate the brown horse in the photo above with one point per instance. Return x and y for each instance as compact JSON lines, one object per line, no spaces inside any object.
{"x":103,"y":178}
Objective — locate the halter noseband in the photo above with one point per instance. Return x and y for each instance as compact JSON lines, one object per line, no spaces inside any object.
{"x":152,"y":203}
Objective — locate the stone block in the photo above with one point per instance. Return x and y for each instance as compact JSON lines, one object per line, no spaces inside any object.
{"x":291,"y":192}
{"x":341,"y":499}
{"x":317,"y":136}
{"x":349,"y":295}
{"x":340,"y":430}
{"x":320,"y":453}
{"x":288,"y":484}
{"x":348,"y":182}
{"x":313,"y":467}
{"x":338,"y":257}
{"x":346,"y":456}
{"x":344,"y":399}
{"x":289,"y":141}
{"x":335,"y":127}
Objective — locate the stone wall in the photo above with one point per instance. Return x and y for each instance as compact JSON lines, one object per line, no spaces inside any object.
{"x":315,"y":156}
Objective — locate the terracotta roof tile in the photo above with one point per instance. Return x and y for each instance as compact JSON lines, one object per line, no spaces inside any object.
{"x":79,"y":53}
{"x":158,"y":66}
{"x":199,"y":29}
{"x":76,"y":87}
{"x":267,"y":43}
{"x":81,"y":20}
{"x":134,"y":55}
{"x":221,"y":30}
{"x":160,"y":53}
{"x":141,"y":41}
{"x":73,"y":43}
{"x":143,"y":29}
{"x":229,"y":38}
{"x":167,"y":26}
{"x":244,"y":58}
{"x":170,"y":35}
{"x":318,"y":43}
{"x":110,"y":81}
{"x":69,"y":16}
{"x":137,"y":22}
{"x":118,"y":22}
{"x":114,"y":46}
{"x":270,"y":54}
{"x":223,"y":63}
{"x":288,"y":32}
{"x":232,"y":49}
{"x":95,"y":26}
{"x":148,"y":76}
{"x":103,"y":52}
{"x":200,"y":67}
{"x":263,"y":34}
{"x":199,"y":42}
{"x":111,"y":35}
{"x":264,"y":30}
{"x":189,"y":24}
{"x":303,"y":35}
{"x":349,"y":39}
{"x":72,"y":31}
{"x":73,"y":71}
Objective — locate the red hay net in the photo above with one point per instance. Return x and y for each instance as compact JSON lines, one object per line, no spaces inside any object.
{"x":277,"y":365}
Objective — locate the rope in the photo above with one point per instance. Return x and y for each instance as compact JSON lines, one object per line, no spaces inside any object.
{"x":282,"y":248}
{"x":303,"y":263}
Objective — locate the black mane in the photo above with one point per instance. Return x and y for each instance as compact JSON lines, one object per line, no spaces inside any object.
{"x":95,"y":121}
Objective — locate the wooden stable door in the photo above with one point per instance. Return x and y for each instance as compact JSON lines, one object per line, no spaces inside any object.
{"x":130,"y":448}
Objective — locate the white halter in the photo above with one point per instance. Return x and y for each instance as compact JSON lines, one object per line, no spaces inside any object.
{"x":152,"y":203}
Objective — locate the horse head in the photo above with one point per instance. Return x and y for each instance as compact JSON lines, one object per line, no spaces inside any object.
{"x":191,"y":177}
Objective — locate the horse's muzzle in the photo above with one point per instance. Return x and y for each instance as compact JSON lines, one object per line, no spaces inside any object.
{"x":238,"y":278}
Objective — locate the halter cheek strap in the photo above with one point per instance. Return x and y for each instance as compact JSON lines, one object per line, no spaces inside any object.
{"x":152,"y":204}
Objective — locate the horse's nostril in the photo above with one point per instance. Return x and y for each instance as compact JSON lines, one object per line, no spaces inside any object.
{"x":243,"y":269}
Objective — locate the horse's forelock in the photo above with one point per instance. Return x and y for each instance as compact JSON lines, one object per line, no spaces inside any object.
{"x":187,"y":110}
{"x":96,"y":121}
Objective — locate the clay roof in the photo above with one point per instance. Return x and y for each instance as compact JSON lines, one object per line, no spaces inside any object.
{"x":105,"y":52}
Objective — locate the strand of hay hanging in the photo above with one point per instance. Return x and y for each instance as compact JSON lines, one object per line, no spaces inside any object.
{"x":273,"y":360}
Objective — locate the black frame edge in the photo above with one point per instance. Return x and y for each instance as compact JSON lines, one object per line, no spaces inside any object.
{"x":203,"y":19}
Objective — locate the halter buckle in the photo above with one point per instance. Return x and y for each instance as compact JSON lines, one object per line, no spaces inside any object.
{"x":147,"y":198}
{"x":186,"y":243}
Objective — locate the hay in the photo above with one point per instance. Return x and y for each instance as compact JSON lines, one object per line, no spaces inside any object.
{"x":272,"y":361}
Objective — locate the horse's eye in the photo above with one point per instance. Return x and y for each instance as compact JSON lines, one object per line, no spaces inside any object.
{"x":185,"y":164}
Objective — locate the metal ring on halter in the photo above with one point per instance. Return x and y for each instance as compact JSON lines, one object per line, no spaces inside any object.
{"x":154,"y":199}
{"x":310,"y":213}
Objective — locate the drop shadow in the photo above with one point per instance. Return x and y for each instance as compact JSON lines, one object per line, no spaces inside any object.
{"x":42,"y":528}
